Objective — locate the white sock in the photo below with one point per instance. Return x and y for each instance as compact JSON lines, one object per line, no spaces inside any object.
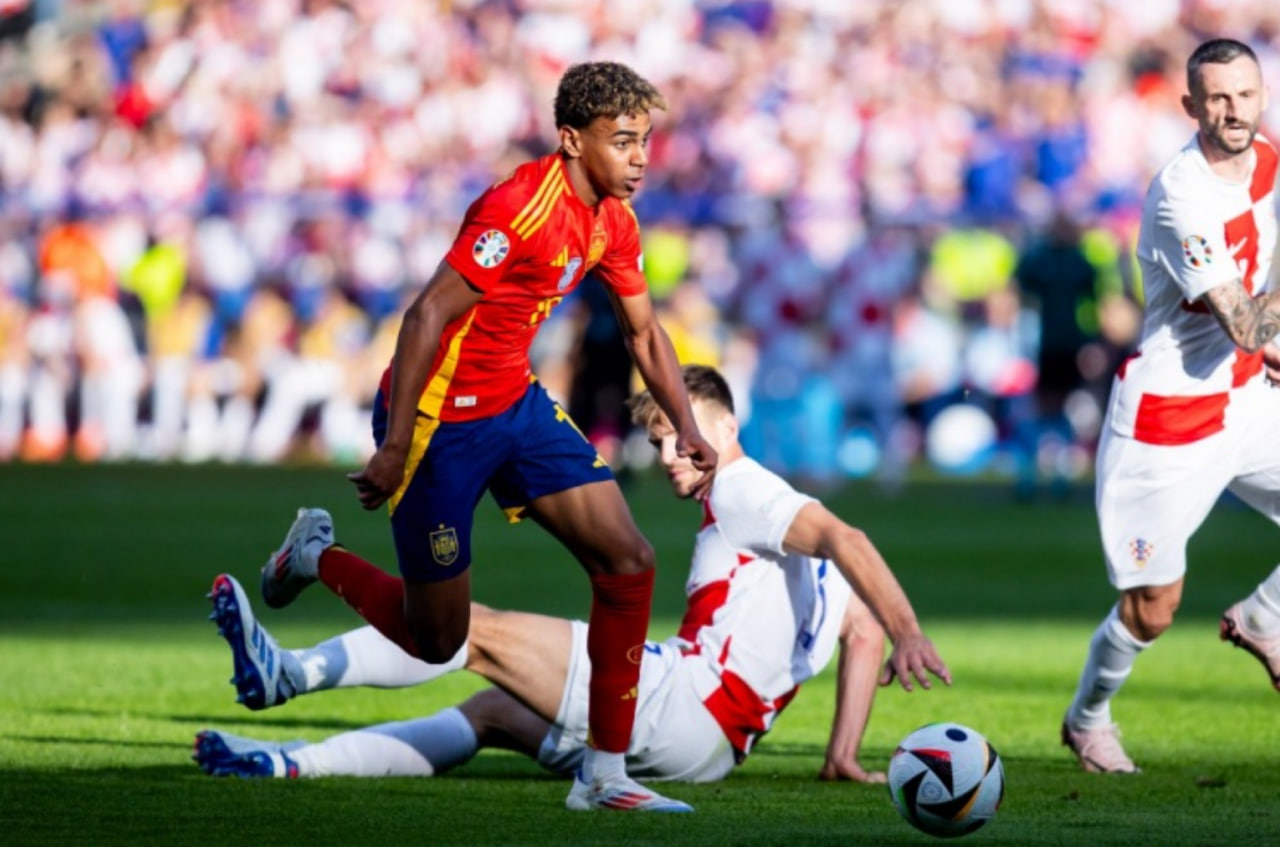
{"x":420,"y":747}
{"x":365,"y":656}
{"x":599,"y":765}
{"x":1111,"y":656}
{"x":1261,"y":609}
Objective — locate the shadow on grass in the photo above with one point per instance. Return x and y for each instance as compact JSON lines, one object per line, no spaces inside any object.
{"x":265,"y":718}
{"x":111,"y":742}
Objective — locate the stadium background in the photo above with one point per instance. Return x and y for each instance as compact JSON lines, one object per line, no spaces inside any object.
{"x":211,"y":213}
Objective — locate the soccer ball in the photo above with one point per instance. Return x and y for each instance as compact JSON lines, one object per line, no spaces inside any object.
{"x":946,"y":779}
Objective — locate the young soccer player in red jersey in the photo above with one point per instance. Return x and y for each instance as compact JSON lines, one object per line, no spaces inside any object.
{"x":459,"y":412}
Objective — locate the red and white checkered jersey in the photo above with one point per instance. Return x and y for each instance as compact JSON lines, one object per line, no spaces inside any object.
{"x":759,"y":621}
{"x":1199,"y":231}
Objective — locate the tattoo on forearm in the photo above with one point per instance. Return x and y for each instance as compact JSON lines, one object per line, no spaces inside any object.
{"x":1250,"y":323}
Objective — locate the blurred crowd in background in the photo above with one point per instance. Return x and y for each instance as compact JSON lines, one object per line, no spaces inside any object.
{"x":903,"y":228}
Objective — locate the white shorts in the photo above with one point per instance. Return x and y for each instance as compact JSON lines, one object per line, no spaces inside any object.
{"x":675,"y":737}
{"x":1152,"y":498}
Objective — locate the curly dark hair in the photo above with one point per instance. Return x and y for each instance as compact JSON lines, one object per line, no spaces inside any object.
{"x":603,"y":89}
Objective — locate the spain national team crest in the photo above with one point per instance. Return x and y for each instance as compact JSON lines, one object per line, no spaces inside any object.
{"x":1197,"y":251}
{"x":599,"y":241}
{"x":444,"y":545}
{"x":1142,"y":551}
{"x":491,"y":248}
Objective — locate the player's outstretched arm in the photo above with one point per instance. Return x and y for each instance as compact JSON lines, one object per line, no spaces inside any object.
{"x":656,"y":360}
{"x":1251,"y":323}
{"x":815,"y":531}
{"x":446,"y":298}
{"x":861,"y":651}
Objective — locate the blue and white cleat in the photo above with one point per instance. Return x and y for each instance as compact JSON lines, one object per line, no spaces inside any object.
{"x":260,"y":677}
{"x":295,"y":565}
{"x":619,"y":794}
{"x":224,"y":754}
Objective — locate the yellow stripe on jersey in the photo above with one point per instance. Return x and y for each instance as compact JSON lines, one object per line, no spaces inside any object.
{"x":423,"y":429}
{"x":547,"y":182}
{"x":540,"y":215}
{"x":432,"y":400}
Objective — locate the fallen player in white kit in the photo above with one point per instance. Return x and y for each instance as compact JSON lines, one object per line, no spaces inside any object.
{"x":769,"y":600}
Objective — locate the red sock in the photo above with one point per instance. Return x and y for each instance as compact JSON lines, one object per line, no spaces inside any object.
{"x":615,"y":643}
{"x":376,"y":596}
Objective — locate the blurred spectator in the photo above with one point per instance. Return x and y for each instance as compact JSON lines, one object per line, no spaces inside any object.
{"x":1062,"y":284}
{"x":300,"y":164}
{"x":601,"y":378}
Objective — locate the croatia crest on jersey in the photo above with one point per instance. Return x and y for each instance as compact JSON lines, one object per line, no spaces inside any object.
{"x":491,"y":248}
{"x":1197,"y":251}
{"x":1142,"y":551}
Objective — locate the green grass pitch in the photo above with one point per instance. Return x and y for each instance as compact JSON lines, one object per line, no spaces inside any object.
{"x":108,"y":667}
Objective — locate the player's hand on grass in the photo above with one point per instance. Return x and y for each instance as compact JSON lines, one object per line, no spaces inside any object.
{"x":851,"y":771}
{"x":380,"y":478}
{"x":914,"y":656}
{"x":704,"y":458}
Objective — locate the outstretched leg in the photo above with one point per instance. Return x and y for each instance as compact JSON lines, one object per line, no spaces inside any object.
{"x":420,"y":747}
{"x":594,"y":523}
{"x":1133,"y":624}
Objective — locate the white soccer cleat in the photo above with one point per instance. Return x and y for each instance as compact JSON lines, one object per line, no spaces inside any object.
{"x":621,"y":794}
{"x":1099,"y":749}
{"x":260,"y":678}
{"x":295,"y":565}
{"x":1234,"y":628}
{"x":224,"y":754}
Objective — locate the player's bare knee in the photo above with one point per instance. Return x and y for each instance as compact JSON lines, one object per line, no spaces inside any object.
{"x":1151,"y":624}
{"x":636,"y":556}
{"x":484,"y":711}
{"x":1147,"y":613}
{"x":438,"y":645}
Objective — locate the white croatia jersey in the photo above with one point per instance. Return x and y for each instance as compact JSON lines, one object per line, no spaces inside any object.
{"x":1199,"y":231}
{"x":759,"y":621}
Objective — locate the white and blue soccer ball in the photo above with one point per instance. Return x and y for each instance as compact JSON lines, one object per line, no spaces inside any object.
{"x":946,"y":779}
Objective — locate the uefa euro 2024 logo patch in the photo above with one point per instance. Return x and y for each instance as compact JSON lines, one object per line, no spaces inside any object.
{"x":1142,"y":551}
{"x":1196,"y":251}
{"x":491,"y":248}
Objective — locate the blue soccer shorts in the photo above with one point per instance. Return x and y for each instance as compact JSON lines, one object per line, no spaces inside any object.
{"x":528,"y":451}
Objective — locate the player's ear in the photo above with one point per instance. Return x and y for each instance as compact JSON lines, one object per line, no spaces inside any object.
{"x":728,"y":425}
{"x":1189,"y":106}
{"x":571,"y":142}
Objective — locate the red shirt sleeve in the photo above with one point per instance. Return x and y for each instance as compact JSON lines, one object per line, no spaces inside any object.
{"x":487,"y":245}
{"x":621,"y":267}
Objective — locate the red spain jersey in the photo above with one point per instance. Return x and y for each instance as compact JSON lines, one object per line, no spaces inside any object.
{"x":525,"y":243}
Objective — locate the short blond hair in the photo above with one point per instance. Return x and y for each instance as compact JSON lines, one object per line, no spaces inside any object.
{"x":701,"y":382}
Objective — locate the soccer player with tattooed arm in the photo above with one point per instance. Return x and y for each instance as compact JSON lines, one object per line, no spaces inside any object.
{"x":1195,"y":410}
{"x":459,"y":412}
